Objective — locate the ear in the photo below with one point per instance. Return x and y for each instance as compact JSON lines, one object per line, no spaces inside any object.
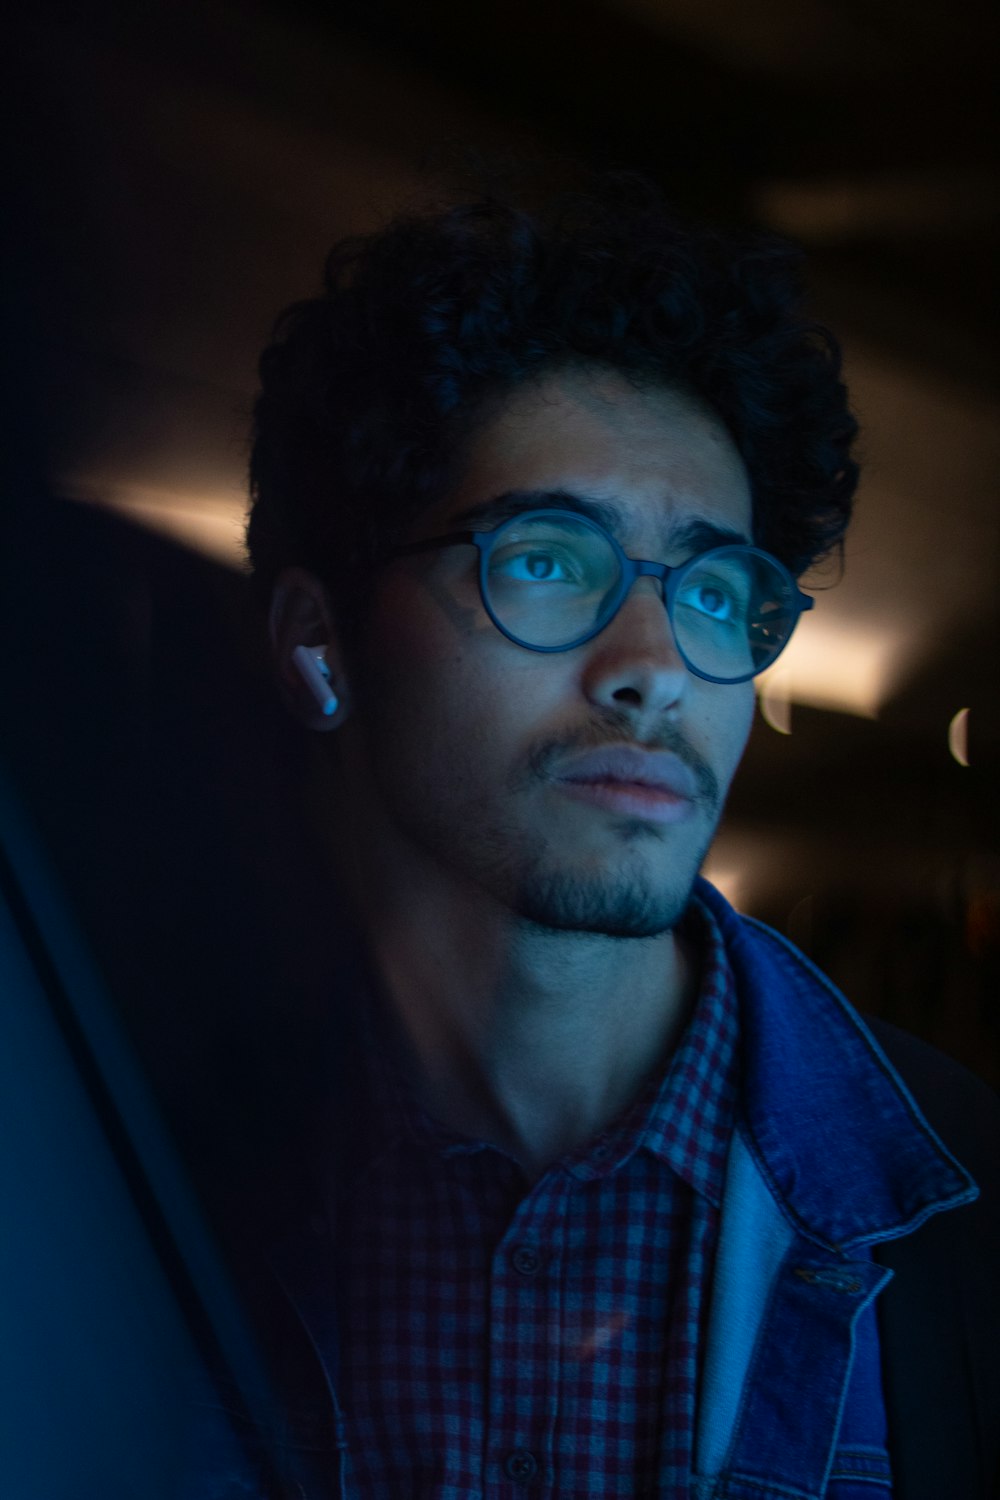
{"x":301,"y":615}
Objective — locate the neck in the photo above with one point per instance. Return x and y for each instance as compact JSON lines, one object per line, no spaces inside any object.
{"x":532,"y":1039}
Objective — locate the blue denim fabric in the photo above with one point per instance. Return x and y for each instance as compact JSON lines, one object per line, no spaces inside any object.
{"x":830,"y":1157}
{"x":791,"y":1398}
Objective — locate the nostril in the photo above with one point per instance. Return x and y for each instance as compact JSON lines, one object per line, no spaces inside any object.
{"x":627,"y":695}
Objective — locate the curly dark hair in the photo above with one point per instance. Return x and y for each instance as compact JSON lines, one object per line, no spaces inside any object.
{"x":368,"y":390}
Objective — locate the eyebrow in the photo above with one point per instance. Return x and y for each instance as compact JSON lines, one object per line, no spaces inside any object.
{"x":691,"y":535}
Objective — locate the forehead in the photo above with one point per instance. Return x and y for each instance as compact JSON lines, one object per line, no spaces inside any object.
{"x":659,"y":457}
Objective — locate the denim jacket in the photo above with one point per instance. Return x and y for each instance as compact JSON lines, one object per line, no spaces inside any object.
{"x":830,"y":1157}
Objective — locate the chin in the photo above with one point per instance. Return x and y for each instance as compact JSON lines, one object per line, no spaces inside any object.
{"x":619,"y":908}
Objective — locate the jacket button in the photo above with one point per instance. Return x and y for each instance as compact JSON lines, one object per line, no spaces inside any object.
{"x":526,"y":1261}
{"x":521,"y":1466}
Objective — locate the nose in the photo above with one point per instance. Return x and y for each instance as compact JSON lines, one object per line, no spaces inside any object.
{"x":634,"y":666}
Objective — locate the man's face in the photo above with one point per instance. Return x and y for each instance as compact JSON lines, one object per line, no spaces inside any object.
{"x":462,"y":746}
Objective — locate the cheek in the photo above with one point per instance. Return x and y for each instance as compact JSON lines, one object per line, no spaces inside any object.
{"x":405,"y":656}
{"x":742,"y":720}
{"x":398,"y":630}
{"x":435,"y":651}
{"x":727,"y":721}
{"x":425,"y":684}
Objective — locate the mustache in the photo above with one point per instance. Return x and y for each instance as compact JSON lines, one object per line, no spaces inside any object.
{"x":547,"y":754}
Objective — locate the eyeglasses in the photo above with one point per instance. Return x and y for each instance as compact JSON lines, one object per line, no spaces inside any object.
{"x":551,"y":580}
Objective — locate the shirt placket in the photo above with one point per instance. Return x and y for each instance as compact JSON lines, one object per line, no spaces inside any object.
{"x":524,"y":1338}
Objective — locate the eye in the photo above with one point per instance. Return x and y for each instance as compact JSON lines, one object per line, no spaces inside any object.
{"x":537,"y":565}
{"x":710,"y":598}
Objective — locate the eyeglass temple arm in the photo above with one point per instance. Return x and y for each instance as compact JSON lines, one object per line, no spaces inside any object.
{"x":432,"y":543}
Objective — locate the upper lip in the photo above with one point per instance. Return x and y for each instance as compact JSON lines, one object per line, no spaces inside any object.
{"x":659,"y":769}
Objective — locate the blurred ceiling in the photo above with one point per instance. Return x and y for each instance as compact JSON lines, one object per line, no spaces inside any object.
{"x":184,"y":168}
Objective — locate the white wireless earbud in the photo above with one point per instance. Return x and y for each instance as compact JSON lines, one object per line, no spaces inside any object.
{"x":311,"y":663}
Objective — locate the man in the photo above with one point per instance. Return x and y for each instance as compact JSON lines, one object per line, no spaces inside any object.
{"x":622,"y":1198}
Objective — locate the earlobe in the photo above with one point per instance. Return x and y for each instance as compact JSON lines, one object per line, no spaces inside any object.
{"x":304,"y":645}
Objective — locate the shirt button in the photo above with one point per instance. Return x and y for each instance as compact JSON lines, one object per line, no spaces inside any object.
{"x":521,"y":1466}
{"x":526,"y":1261}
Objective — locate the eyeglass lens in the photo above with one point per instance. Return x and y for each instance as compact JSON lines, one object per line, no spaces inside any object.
{"x":553,"y":580}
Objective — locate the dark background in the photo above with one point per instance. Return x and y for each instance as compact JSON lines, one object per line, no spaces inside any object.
{"x":179,"y":172}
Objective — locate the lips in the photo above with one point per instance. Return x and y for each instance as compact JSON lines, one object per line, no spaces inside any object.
{"x":653,"y":786}
{"x":642,"y":771}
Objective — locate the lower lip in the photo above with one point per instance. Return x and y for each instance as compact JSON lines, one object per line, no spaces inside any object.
{"x":631,"y":799}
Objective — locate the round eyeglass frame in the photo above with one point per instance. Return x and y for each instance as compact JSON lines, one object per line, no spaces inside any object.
{"x":632,"y":568}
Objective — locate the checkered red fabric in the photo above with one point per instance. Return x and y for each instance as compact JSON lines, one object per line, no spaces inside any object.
{"x":500,"y":1338}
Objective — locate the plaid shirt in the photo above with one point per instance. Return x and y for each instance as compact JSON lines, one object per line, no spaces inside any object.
{"x":500,"y":1339}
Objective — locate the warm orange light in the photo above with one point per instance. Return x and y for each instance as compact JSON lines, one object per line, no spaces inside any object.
{"x":211,"y":524}
{"x":775,"y":705}
{"x":958,"y":736}
{"x":849,"y":666}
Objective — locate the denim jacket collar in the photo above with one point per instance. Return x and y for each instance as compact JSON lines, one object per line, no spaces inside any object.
{"x":809,"y":1060}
